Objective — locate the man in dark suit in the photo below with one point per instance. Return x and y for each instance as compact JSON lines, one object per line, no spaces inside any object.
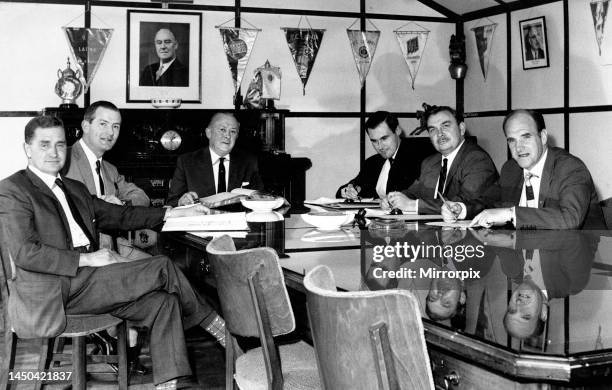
{"x":49,"y":226}
{"x":214,"y":168}
{"x":169,"y":71}
{"x":394,"y":167}
{"x":533,"y":47}
{"x":460,"y":170}
{"x":541,"y":187}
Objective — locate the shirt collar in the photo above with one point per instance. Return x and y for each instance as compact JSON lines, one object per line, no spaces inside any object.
{"x":91,"y":156}
{"x":451,"y":156}
{"x":214,"y":157}
{"x":166,"y":65}
{"x":49,"y":180}
{"x":538,"y":168}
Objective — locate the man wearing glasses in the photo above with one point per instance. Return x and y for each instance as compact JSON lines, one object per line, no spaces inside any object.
{"x":215,"y":168}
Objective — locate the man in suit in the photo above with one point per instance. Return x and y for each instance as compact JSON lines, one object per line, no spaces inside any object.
{"x":394,"y":167}
{"x":214,"y":168}
{"x":101,"y":125}
{"x":49,"y":234}
{"x":533,"y":47}
{"x":460,"y":170}
{"x":541,"y":187}
{"x":169,"y":71}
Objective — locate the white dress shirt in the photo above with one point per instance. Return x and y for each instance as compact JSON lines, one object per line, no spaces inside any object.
{"x":214,"y":157}
{"x":91,"y":158}
{"x":536,"y":179}
{"x":383,"y":177}
{"x":163,"y":67}
{"x":78,"y":237}
{"x":449,"y":163}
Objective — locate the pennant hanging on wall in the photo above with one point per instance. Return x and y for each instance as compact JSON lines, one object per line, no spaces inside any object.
{"x":88,"y":46}
{"x":363,"y":44}
{"x":599,"y":11}
{"x":304,"y":44}
{"x":271,"y":81}
{"x":484,"y":45}
{"x":238,"y":44}
{"x":412,"y":44}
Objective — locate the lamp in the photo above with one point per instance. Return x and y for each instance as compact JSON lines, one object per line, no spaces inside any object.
{"x":456,"y":48}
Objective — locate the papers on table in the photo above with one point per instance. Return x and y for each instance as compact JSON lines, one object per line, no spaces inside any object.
{"x":233,"y":234}
{"x":215,"y":222}
{"x":341,"y":204}
{"x":456,"y":224}
{"x":406,"y":216}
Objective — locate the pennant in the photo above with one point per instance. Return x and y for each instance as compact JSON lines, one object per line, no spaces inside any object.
{"x":271,"y":81}
{"x":238,"y":44}
{"x":599,"y":11}
{"x":363,"y":44}
{"x":412,"y":44}
{"x":88,"y":46}
{"x":304,"y":44}
{"x":484,"y":45}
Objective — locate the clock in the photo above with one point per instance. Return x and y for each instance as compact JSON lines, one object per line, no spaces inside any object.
{"x":171,"y":140}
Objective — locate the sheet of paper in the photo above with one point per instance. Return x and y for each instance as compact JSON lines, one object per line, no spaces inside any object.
{"x":457,"y":224}
{"x":384,"y":213}
{"x":215,"y":222}
{"x":231,"y":233}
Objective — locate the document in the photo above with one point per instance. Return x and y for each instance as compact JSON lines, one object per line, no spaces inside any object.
{"x":226,"y":198}
{"x":215,"y":222}
{"x":457,"y":224}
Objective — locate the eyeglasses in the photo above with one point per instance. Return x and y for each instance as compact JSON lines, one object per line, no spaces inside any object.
{"x":226,"y":132}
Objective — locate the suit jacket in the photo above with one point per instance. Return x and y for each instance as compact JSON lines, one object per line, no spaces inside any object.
{"x":77,"y":167}
{"x":35,"y":236}
{"x":194,"y":172}
{"x":567,"y":197}
{"x":529,"y":55}
{"x":403,"y":172}
{"x":177,"y":75}
{"x":471,"y":173}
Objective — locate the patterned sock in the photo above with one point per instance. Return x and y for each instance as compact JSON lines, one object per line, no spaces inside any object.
{"x":216,"y":327}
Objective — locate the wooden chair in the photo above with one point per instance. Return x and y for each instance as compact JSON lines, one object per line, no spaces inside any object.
{"x":77,"y":328}
{"x":255,"y":303}
{"x":367,"y":339}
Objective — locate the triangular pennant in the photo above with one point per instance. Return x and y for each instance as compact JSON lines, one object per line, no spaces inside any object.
{"x":363,"y":44}
{"x":304,"y":44}
{"x":599,"y":11}
{"x":88,"y":46}
{"x":412,"y":44}
{"x":238,"y":44}
{"x":484,"y":45}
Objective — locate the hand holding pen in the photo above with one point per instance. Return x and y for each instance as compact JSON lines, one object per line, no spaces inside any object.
{"x":450,"y":210}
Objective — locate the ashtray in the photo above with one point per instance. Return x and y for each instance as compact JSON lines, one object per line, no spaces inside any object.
{"x":166,"y":103}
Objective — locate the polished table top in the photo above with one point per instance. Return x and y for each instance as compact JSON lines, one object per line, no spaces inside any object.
{"x":558,"y":282}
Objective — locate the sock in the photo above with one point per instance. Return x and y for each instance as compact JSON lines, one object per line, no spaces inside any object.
{"x":215,"y":325}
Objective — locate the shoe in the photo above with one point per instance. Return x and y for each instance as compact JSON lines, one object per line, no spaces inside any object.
{"x":104,"y":343}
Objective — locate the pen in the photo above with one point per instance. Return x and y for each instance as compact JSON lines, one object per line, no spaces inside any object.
{"x":447,"y":205}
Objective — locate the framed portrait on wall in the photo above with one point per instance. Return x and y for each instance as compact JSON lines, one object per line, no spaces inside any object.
{"x":164,"y":56}
{"x":534,"y":43}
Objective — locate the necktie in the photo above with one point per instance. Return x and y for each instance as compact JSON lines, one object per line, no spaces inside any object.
{"x":442,"y":178}
{"x":159,"y":72}
{"x":221,"y":178}
{"x":75,"y":212}
{"x":529,"y":196}
{"x":100,"y":177}
{"x":390,"y":160}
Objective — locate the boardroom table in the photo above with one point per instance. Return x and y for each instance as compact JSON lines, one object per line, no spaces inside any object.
{"x":473,"y":347}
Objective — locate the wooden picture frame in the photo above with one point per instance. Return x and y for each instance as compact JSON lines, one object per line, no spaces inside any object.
{"x":534,"y":43}
{"x":173,"y":39}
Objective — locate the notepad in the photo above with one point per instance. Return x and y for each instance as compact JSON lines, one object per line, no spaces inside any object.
{"x":215,"y":222}
{"x":226,"y":198}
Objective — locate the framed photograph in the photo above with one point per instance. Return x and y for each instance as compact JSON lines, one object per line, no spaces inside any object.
{"x":534,"y":44}
{"x":164,"y":56}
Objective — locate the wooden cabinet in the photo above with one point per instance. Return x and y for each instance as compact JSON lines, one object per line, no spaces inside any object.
{"x":140,"y":156}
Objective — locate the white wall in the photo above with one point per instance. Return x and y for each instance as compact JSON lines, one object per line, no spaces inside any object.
{"x":33,"y":34}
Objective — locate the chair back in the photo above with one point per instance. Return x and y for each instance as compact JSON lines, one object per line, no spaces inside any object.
{"x":239,"y":275}
{"x":366,"y":339}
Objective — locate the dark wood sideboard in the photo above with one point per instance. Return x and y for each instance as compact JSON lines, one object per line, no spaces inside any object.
{"x":141,"y":158}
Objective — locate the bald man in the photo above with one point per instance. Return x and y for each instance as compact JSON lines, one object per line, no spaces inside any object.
{"x":169,"y":71}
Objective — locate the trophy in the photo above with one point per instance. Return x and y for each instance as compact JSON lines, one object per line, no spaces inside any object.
{"x":68,"y":86}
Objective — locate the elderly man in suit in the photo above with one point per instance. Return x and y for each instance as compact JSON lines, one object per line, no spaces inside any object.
{"x":460,"y":170}
{"x":214,"y":168}
{"x":541,"y":187}
{"x":169,"y":71}
{"x":49,"y":232}
{"x":393,"y":168}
